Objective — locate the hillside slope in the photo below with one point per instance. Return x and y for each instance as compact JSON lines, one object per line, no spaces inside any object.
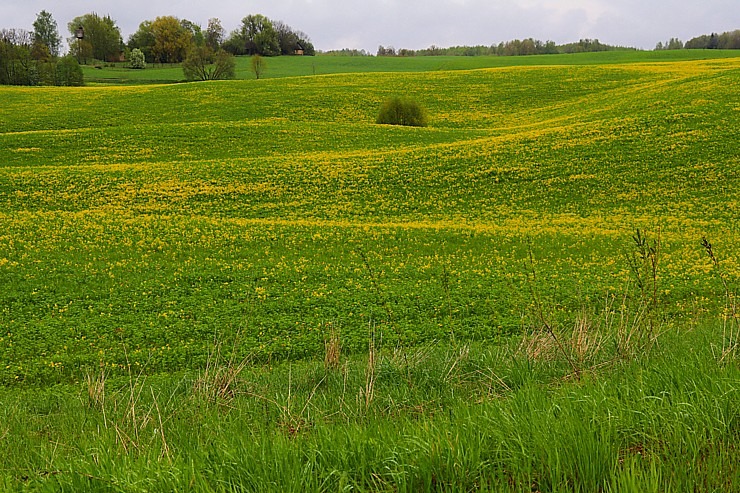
{"x":138,"y":221}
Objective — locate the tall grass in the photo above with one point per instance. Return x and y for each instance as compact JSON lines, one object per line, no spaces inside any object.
{"x":485,"y":418}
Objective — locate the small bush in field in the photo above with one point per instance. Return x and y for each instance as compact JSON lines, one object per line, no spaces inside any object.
{"x":137,"y":59}
{"x":402,"y":111}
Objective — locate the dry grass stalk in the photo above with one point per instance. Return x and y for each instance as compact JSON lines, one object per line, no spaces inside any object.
{"x":165,"y":447}
{"x":586,"y":340}
{"x":96,"y":389}
{"x":538,"y":345}
{"x":462,"y":355}
{"x":332,"y":350}
{"x":218,"y":382}
{"x":731,"y":320}
{"x":370,"y":372}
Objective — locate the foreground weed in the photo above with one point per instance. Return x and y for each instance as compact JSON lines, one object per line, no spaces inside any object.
{"x":631,"y":329}
{"x":586,"y":340}
{"x":218,"y":382}
{"x":370,"y":371}
{"x":96,"y":389}
{"x":332,"y":349}
{"x":546,"y":326}
{"x":135,"y":414}
{"x":294,"y":411}
{"x":381,"y":299}
{"x":644,"y":262}
{"x":731,"y":327}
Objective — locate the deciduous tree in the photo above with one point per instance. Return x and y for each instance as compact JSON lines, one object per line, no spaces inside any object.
{"x":196,"y":33}
{"x":290,"y":40}
{"x":215,"y":34}
{"x":102,"y":38}
{"x":171,"y":40}
{"x":46,"y":33}
{"x":143,"y":39}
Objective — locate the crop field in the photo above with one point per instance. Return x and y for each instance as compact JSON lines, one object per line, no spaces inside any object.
{"x":141,"y":223}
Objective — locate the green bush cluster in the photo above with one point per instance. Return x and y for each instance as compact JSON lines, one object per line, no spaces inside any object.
{"x":63,"y":71}
{"x":402,"y":111}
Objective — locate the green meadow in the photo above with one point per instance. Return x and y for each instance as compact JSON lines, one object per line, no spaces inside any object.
{"x":287,"y":66}
{"x":250,"y":285}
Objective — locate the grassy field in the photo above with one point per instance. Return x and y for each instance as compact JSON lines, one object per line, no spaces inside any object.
{"x":324,"y":65}
{"x":178,"y":261}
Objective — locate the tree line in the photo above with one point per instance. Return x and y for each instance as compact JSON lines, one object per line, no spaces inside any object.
{"x":33,"y":57}
{"x":530,"y":46}
{"x":168,"y":39}
{"x":729,"y":40}
{"x":514,"y":47}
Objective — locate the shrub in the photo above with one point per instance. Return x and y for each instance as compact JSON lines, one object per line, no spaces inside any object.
{"x":68,"y":72}
{"x":402,"y":111}
{"x":203,"y":63}
{"x":259,"y":65}
{"x":137,"y":59}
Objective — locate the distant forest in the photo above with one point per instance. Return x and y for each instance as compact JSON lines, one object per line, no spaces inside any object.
{"x":725,"y":41}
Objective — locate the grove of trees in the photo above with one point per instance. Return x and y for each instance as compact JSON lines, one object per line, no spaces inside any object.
{"x":726,"y":41}
{"x":166,"y":39}
{"x":514,"y":47}
{"x":101,"y":40}
{"x":32,"y":58}
{"x":169,"y":39}
{"x":259,"y":35}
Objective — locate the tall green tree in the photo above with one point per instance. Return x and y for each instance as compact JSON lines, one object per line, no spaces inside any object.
{"x":102,"y":37}
{"x":287,"y":38}
{"x":713,"y":41}
{"x":196,"y":33}
{"x":46,"y":33}
{"x":215,"y":34}
{"x":143,"y":39}
{"x":171,"y":40}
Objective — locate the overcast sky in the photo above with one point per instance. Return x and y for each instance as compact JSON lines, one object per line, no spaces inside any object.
{"x":416,"y":24}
